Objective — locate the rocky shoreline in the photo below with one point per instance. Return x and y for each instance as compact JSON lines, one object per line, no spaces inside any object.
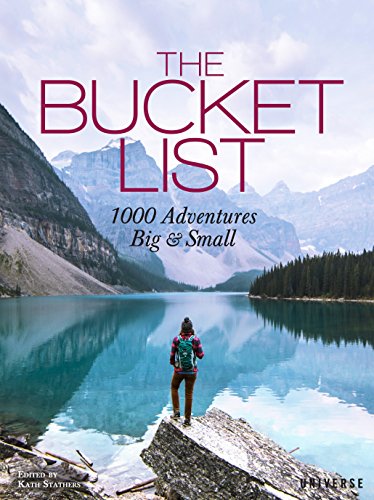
{"x":26,"y":472}
{"x":217,"y":458}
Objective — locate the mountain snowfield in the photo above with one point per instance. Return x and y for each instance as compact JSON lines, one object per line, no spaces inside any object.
{"x":94,"y":179}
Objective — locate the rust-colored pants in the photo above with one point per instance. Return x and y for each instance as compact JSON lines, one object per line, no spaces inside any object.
{"x":176,"y":381}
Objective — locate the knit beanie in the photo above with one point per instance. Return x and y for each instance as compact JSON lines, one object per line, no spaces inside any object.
{"x":186,"y":325}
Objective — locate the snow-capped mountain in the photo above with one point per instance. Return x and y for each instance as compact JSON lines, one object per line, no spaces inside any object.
{"x":340,"y":216}
{"x":63,"y":159}
{"x":116,"y":143}
{"x":94,"y":179}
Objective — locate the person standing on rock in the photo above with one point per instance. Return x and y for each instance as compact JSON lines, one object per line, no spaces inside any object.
{"x":185,"y":348}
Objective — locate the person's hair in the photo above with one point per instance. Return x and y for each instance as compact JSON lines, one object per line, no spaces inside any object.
{"x":189,"y":331}
{"x":186,"y":325}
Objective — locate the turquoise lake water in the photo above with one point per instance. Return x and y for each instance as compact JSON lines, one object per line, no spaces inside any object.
{"x":93,"y":373}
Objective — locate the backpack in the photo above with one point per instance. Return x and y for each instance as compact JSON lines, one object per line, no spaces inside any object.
{"x":186,"y":356}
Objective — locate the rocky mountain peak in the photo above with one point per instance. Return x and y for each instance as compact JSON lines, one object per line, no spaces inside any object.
{"x":280,"y":187}
{"x":63,"y":159}
{"x":115,"y":143}
{"x":248,"y":189}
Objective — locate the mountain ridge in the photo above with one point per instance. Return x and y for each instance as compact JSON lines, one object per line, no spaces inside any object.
{"x":94,"y":179}
{"x":336,"y":217}
{"x":35,"y":201}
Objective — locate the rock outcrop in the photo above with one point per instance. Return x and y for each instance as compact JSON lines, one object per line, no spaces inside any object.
{"x":219,"y":457}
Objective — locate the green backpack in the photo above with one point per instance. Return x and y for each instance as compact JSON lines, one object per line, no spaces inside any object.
{"x":186,"y":355}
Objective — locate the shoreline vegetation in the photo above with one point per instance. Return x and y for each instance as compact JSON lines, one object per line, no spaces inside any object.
{"x":311,"y":299}
{"x":328,"y":277}
{"x":9,"y":293}
{"x":15,"y":294}
{"x":331,"y":277}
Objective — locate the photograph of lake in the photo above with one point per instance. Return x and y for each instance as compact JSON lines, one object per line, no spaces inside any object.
{"x":93,"y":373}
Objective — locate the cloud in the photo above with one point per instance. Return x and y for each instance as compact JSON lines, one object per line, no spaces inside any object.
{"x":286,"y":52}
{"x":12,"y":78}
{"x":119,"y":33}
{"x":272,"y":58}
{"x":116,"y":41}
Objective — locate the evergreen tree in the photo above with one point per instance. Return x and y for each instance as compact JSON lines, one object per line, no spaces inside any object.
{"x":336,"y":275}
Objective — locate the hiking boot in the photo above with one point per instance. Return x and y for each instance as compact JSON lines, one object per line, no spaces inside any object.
{"x":187,"y":422}
{"x":176,"y":415}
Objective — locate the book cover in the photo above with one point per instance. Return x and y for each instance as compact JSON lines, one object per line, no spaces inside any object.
{"x":163,"y":161}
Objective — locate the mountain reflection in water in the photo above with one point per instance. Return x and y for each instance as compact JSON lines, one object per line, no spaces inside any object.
{"x":101,"y":365}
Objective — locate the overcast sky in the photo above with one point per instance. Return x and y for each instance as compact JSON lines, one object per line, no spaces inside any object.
{"x":115,"y":42}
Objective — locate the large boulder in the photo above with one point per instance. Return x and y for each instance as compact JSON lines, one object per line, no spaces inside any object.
{"x":219,"y":457}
